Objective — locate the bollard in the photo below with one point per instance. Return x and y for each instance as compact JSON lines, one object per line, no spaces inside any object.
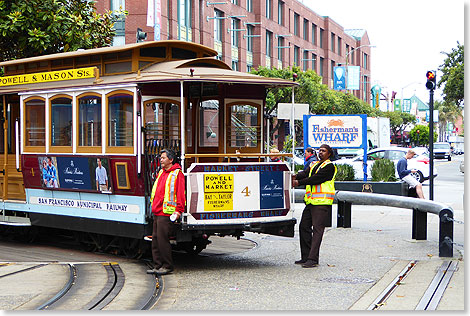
{"x":419,"y":225}
{"x":344,"y":214}
{"x":446,"y":233}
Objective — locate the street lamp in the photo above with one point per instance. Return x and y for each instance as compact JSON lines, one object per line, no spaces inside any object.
{"x":347,"y":60}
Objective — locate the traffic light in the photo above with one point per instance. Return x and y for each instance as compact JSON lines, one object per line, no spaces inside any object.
{"x":431,"y":79}
{"x":394,"y":94}
{"x":140,"y":35}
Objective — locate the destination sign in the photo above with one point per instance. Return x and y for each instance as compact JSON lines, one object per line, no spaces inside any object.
{"x":41,"y":77}
{"x":218,"y":182}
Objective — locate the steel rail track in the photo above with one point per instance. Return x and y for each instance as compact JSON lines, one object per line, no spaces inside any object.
{"x":64,"y":290}
{"x":23,"y":270}
{"x":432,"y":295}
{"x":435,"y":291}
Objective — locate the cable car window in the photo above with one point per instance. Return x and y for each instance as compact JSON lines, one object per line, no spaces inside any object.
{"x":158,"y":52}
{"x":35,"y":122}
{"x":209,"y":123}
{"x":61,"y":121}
{"x":244,"y":128}
{"x":89,"y":120}
{"x":120,"y":120}
{"x":162,"y":122}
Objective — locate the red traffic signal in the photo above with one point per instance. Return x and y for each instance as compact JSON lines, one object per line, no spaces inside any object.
{"x":431,"y":79}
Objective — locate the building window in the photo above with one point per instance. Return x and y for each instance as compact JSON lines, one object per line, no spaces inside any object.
{"x":339,"y":45}
{"x":322,"y":60}
{"x":306,"y":29}
{"x":296,"y":56}
{"x":321,"y":37}
{"x":280,"y":44}
{"x":35,"y":122}
{"x":248,"y":68}
{"x":120,"y":119}
{"x":249,"y":5}
{"x":332,"y":42}
{"x":269,"y":43}
{"x":218,"y":33}
{"x":365,"y":61}
{"x":120,"y":25}
{"x":280,"y":12}
{"x":61,"y":121}
{"x":269,"y":9}
{"x":314,"y":34}
{"x":296,"y":24}
{"x":305,"y":60}
{"x":235,"y":2}
{"x":235,"y":27}
{"x":332,"y":69}
{"x":89,"y":120}
{"x":184,"y":20}
{"x":314,"y":62}
{"x":235,"y":65}
{"x":249,"y":39}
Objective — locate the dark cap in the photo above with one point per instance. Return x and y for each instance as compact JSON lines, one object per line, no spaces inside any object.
{"x":327,"y":147}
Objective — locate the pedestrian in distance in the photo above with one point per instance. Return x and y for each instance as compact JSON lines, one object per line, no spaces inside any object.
{"x":167,"y":200}
{"x":310,"y":156}
{"x":406,"y":174}
{"x":319,"y":181}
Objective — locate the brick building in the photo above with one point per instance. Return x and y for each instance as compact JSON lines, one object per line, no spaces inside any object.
{"x":252,"y":33}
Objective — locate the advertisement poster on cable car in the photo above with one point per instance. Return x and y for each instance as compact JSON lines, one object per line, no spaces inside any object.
{"x":78,"y":173}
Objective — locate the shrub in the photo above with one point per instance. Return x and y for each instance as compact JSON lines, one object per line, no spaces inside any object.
{"x":344,"y":172}
{"x":383,"y":170}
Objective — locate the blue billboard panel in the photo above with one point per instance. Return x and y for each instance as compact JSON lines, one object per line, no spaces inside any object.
{"x":271,"y":189}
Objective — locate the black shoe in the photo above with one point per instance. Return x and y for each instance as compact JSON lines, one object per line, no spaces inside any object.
{"x":163,"y":271}
{"x":301,"y":261}
{"x":310,"y":264}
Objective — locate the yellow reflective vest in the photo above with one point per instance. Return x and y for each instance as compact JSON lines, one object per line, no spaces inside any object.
{"x":169,"y":200}
{"x":320,"y":194}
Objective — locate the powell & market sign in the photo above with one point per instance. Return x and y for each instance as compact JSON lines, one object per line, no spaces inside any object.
{"x":41,"y":77}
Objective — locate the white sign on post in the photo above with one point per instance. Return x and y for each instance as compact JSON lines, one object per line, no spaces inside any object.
{"x":284,"y":111}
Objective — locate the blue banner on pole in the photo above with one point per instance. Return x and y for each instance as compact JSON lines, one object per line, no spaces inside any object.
{"x":339,"y":80}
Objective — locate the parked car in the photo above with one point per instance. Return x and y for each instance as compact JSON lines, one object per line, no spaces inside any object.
{"x":442,"y":150}
{"x":419,"y":162}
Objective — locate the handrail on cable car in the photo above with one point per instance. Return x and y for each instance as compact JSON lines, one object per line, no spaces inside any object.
{"x":237,"y":155}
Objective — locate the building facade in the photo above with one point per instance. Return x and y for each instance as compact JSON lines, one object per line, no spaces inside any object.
{"x":252,"y":33}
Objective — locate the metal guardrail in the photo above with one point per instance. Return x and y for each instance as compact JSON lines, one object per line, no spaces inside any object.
{"x":420,"y":209}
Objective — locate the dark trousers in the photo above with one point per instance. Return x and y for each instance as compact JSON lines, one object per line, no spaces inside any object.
{"x":161,"y":247}
{"x":311,"y":228}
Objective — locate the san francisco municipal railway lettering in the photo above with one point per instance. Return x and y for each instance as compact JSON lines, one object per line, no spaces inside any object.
{"x":114,"y":207}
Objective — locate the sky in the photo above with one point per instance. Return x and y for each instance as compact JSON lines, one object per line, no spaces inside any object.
{"x":408,"y":35}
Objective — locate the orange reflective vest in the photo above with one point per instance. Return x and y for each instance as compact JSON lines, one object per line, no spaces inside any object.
{"x":169,"y":200}
{"x":320,"y":194}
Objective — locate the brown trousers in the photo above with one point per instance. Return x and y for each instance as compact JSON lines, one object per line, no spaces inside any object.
{"x":161,"y":247}
{"x":311,"y":228}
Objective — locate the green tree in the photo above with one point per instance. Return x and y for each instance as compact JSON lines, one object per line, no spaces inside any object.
{"x":453,"y":75}
{"x":449,"y":112}
{"x":399,"y":121}
{"x":421,"y":138}
{"x":39,"y":27}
